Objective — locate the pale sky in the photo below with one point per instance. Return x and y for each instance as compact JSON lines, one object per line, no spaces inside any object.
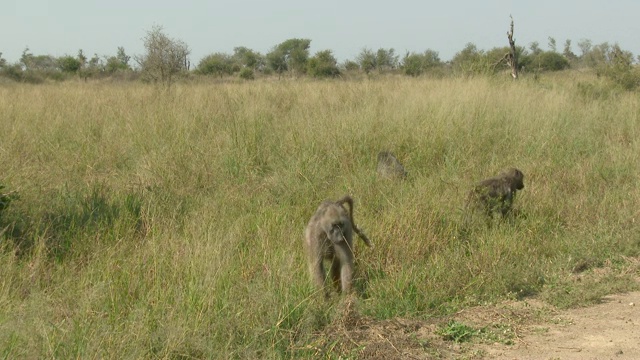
{"x":346,"y":27}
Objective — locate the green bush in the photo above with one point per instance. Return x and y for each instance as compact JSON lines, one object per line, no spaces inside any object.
{"x":323,"y":64}
{"x":412,"y":65}
{"x":416,"y":64}
{"x":13,"y":72}
{"x":471,"y":61}
{"x":246,"y":74}
{"x":69,"y":64}
{"x":216,"y":64}
{"x":550,"y":61}
{"x":351,"y":65}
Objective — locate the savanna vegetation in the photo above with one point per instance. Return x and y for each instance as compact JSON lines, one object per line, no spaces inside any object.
{"x":140,"y":222}
{"x":166,"y":221}
{"x":167,"y":61}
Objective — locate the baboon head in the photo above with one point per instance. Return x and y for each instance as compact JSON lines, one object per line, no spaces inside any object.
{"x":516,"y":179}
{"x":336,"y":224}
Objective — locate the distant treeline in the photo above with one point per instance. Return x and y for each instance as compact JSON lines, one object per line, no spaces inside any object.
{"x":166,"y":60}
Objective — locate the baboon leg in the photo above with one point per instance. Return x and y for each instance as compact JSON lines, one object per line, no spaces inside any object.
{"x":316,"y":268}
{"x":346,"y":277}
{"x":345,"y":255}
{"x":335,"y":273}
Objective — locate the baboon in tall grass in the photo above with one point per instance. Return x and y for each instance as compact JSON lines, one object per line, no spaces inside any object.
{"x":389,"y":167}
{"x":496,"y":194}
{"x":329,"y":235}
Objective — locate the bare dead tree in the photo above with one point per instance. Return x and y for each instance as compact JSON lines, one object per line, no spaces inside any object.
{"x":511,"y":57}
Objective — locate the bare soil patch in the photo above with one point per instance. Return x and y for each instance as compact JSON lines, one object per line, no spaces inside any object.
{"x":609,"y":330}
{"x":528,"y":329}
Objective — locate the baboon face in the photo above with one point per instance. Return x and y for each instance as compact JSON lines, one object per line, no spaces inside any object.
{"x":335,"y":233}
{"x":337,"y":226}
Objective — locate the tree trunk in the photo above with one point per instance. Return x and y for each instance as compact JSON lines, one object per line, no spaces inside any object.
{"x":512,"y":57}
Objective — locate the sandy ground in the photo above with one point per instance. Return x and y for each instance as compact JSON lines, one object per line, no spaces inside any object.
{"x":526,"y":329}
{"x":610,"y":330}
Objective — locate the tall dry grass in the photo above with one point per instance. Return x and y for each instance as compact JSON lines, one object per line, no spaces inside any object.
{"x":168,"y":224}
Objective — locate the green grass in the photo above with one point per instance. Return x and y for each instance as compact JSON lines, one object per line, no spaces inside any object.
{"x":151,"y":224}
{"x":456,"y":332}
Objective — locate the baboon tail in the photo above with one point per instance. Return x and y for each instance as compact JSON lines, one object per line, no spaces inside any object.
{"x":348,"y":200}
{"x":362,"y":236}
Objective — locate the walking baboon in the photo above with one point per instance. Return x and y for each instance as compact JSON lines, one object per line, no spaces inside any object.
{"x":496,"y":194}
{"x":389,"y":167}
{"x":329,"y":235}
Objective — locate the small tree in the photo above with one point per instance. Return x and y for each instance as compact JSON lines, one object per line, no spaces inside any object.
{"x":470,"y":60}
{"x":416,"y":64}
{"x":323,"y":64}
{"x":248,"y":58}
{"x":11,"y":71}
{"x":26,"y":59}
{"x":412,"y":64}
{"x":297,"y":51}
{"x":123,"y":59}
{"x":386,"y":59}
{"x":69,"y":64}
{"x":82,"y":58}
{"x":535,"y":48}
{"x":367,"y":60}
{"x":617,"y":65}
{"x":117,"y":63}
{"x":552,"y":44}
{"x":41,"y":63}
{"x":113,"y":65}
{"x":277,"y":61}
{"x":246,"y":74}
{"x":290,"y":55}
{"x":585,"y":47}
{"x":550,"y":61}
{"x":216,"y":64}
{"x":567,"y":53}
{"x":350,"y":65}
{"x":92,"y":67}
{"x":165,"y":58}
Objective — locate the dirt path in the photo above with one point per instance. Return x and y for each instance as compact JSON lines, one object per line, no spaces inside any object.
{"x":610,"y":330}
{"x":526,"y":329}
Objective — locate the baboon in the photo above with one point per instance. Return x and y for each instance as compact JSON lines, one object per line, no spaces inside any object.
{"x":496,"y":194}
{"x":329,"y":235}
{"x":389,"y":167}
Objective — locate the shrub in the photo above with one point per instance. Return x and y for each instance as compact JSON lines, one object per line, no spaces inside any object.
{"x":323,"y":64}
{"x":217,"y":64}
{"x":550,"y":61}
{"x":69,"y":64}
{"x":13,"y":72}
{"x":246,"y":74}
